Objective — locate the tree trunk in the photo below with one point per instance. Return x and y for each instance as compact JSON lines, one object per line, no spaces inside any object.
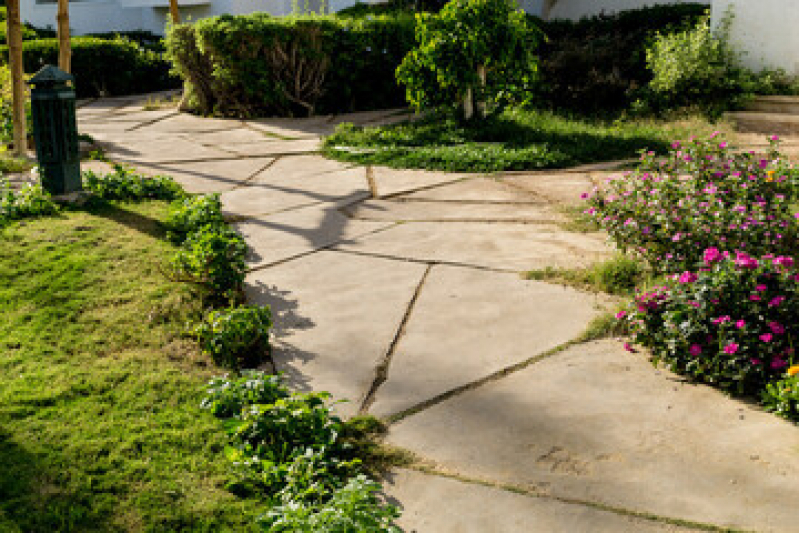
{"x":64,"y":45}
{"x":14,"y":38}
{"x":174,"y":12}
{"x":468,"y":104}
{"x":481,"y":104}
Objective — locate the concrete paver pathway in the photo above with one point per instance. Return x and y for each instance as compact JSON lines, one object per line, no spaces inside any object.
{"x":399,"y":291}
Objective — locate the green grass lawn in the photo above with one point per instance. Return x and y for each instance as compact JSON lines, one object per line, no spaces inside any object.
{"x":516,"y":140}
{"x":100,"y":428}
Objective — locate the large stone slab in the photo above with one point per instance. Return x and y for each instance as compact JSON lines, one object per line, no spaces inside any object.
{"x":207,"y":176}
{"x":502,"y":246}
{"x":227,"y":139}
{"x":161,"y":150}
{"x":294,"y":128}
{"x":390,"y":181}
{"x":335,"y":316}
{"x":297,"y":181}
{"x":275,"y":147}
{"x":558,"y":187}
{"x":599,"y":424}
{"x":468,"y":324}
{"x":186,"y":123}
{"x":484,"y":190}
{"x":291,"y":233}
{"x":433,"y":504}
{"x":450,"y":212}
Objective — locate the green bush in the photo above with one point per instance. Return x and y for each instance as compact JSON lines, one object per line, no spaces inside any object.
{"x":125,"y":184}
{"x":481,"y":50}
{"x":237,"y":337}
{"x":213,"y":258}
{"x":257,"y":65}
{"x":782,"y":397}
{"x":102,"y":67}
{"x":226,"y":397}
{"x":698,"y":67}
{"x":192,"y":213}
{"x":30,"y":201}
{"x":598,"y":64}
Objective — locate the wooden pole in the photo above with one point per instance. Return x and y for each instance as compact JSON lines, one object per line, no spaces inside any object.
{"x":64,"y":45}
{"x":173,"y":11}
{"x":14,"y":37}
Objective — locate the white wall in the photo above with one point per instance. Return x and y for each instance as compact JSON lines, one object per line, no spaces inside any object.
{"x":576,"y":9}
{"x":767,"y":31}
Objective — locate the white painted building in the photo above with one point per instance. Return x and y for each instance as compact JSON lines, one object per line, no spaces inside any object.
{"x":576,"y":9}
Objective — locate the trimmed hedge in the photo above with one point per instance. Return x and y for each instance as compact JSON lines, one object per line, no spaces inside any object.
{"x":599,"y":63}
{"x":102,"y":67}
{"x":258,"y":65}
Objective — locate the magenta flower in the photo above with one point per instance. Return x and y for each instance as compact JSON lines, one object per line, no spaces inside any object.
{"x":766,"y":337}
{"x":731,"y":348}
{"x":755,"y":298}
{"x":740,"y":324}
{"x":712,"y":255}
{"x":621,"y":314}
{"x":629,"y":347}
{"x":721,"y":319}
{"x":776,"y":301}
{"x":756,"y":361}
{"x":761,"y":288}
{"x":778,"y":363}
{"x":687,"y":277}
{"x":695,"y":350}
{"x":776,"y":328}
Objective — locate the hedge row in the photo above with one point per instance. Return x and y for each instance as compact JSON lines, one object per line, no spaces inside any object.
{"x":102,"y":67}
{"x":256,"y":65}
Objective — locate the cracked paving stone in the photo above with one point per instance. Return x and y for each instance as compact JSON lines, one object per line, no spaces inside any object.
{"x":468,"y":323}
{"x":206,"y":176}
{"x":500,"y":246}
{"x":444,"y":212}
{"x":170,"y":150}
{"x":599,"y":424}
{"x":281,"y":236}
{"x":335,"y":317}
{"x":475,"y":190}
{"x":389,"y":181}
{"x":474,"y":508}
{"x":297,"y":181}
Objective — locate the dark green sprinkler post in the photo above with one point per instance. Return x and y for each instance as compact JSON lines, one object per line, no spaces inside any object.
{"x":55,"y":130}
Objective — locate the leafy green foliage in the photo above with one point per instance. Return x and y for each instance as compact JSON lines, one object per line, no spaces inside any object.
{"x":518,"y":139}
{"x":212,"y":257}
{"x":29,"y":201}
{"x":597,"y":64}
{"x":455,"y":43}
{"x":102,"y":67}
{"x":782,"y":397}
{"x":226,"y":397}
{"x":290,"y":65}
{"x":192,"y":213}
{"x":705,"y":194}
{"x":291,"y":449}
{"x":697,"y":67}
{"x":125,"y":184}
{"x":351,"y":509}
{"x":732,"y":322}
{"x":237,"y":337}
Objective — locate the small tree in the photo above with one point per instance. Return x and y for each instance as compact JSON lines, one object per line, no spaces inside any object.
{"x":472,"y":54}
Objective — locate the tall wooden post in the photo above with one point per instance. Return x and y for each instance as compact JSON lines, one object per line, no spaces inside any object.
{"x":64,"y":45}
{"x":173,"y":11}
{"x":14,"y":38}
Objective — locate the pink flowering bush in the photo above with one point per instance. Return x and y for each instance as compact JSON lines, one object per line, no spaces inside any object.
{"x":703,"y":195}
{"x":733,"y":322}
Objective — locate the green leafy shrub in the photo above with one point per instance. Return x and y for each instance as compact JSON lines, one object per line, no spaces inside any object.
{"x":471,"y":52}
{"x":237,"y":337}
{"x":704,"y":195}
{"x":226,"y":397}
{"x":598,"y":64}
{"x":698,"y":67}
{"x":733,"y":322}
{"x":782,"y":397}
{"x":352,"y":508}
{"x":30,"y":201}
{"x":290,"y":65}
{"x":212,"y":257}
{"x":102,"y":67}
{"x":125,"y":184}
{"x":191,"y":213}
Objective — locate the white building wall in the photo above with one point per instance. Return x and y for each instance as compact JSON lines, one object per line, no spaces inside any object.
{"x":577,"y":9}
{"x":765,"y":31}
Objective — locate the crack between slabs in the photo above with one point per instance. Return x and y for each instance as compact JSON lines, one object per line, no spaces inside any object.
{"x":151,"y":122}
{"x":248,"y":180}
{"x":346,"y":203}
{"x":528,"y":222}
{"x":393,"y":195}
{"x":235,"y":157}
{"x":422,"y":261}
{"x":381,"y":371}
{"x":429,"y":469}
